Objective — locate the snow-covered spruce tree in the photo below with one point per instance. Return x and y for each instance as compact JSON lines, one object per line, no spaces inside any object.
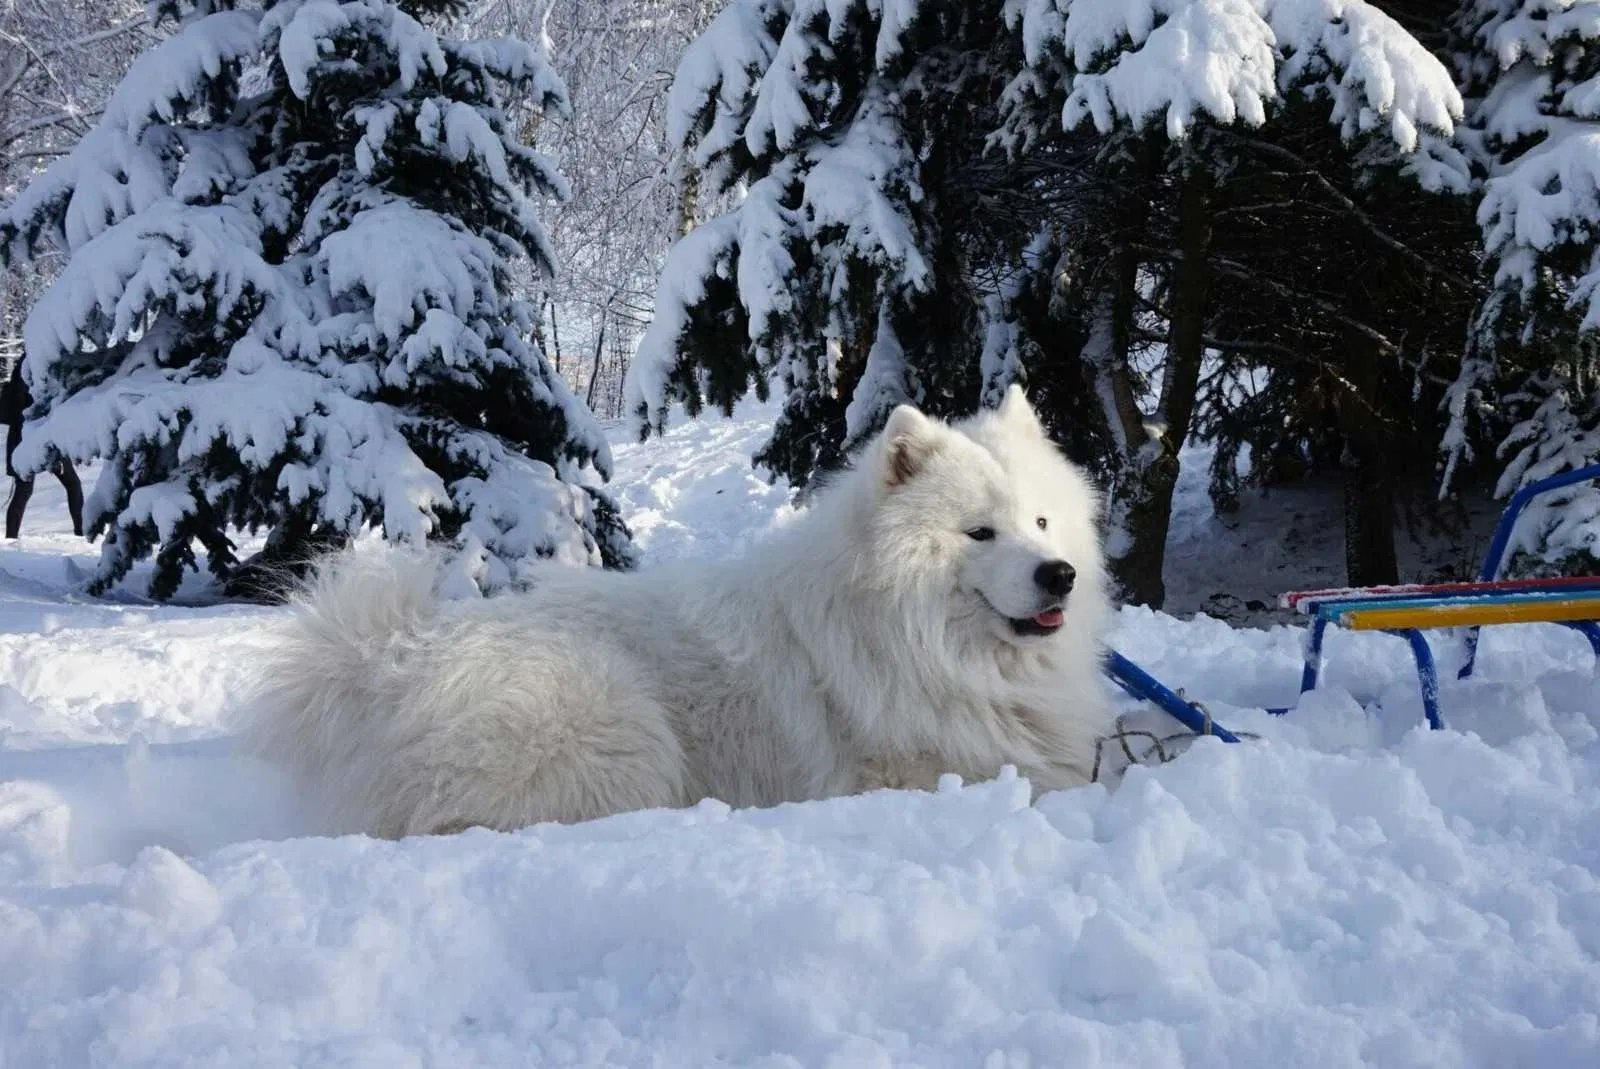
{"x":840,"y":273}
{"x":286,"y":304}
{"x":1531,"y":71}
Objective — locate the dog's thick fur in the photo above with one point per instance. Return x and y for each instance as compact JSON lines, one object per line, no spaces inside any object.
{"x":883,"y":637}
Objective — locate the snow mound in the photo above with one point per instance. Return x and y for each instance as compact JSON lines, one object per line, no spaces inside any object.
{"x":1244,"y":905}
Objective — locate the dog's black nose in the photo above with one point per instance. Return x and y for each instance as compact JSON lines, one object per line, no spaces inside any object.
{"x":1055,"y":577}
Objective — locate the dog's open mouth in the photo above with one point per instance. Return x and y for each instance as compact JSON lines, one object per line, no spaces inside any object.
{"x":1044,"y":623}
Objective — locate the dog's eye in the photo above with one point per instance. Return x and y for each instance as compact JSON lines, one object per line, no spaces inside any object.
{"x":1042,"y":522}
{"x":981,"y":534}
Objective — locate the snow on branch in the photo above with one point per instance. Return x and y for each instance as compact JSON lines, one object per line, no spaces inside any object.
{"x":1167,"y":60}
{"x":1373,"y":72}
{"x":1176,"y":61}
{"x":164,"y":82}
{"x":404,"y":262}
{"x":170,"y":256}
{"x":125,"y":164}
{"x":1539,"y":114}
{"x":717,"y":80}
{"x":308,"y":35}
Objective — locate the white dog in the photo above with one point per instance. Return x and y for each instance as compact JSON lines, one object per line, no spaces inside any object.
{"x":938,"y":608}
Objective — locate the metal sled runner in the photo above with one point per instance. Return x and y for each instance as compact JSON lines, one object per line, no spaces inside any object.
{"x":1410,"y":609}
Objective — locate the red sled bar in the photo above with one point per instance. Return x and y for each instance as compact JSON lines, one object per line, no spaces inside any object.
{"x":1304,"y":601}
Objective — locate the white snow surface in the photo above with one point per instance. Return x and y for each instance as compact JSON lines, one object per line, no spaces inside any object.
{"x":1348,"y":890}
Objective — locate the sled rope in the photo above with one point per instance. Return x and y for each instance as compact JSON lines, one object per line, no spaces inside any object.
{"x":1163,"y":748}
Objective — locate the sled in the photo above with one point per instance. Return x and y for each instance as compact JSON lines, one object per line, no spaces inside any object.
{"x":1146,"y":687}
{"x":1410,"y":609}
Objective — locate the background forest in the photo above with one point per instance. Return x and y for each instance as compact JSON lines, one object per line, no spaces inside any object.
{"x":1329,"y":239}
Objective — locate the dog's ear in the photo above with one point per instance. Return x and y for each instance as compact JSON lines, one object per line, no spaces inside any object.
{"x":909,"y":439}
{"x":1017,"y":412}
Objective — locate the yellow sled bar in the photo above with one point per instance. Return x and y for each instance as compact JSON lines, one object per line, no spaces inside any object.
{"x":1473,"y":614}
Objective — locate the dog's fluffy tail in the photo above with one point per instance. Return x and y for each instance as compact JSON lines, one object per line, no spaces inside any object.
{"x":337,"y":660}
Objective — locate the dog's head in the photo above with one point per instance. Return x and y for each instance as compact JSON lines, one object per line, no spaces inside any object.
{"x":992,"y":516}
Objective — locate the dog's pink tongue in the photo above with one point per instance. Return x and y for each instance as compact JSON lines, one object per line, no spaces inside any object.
{"x":1051,"y":618}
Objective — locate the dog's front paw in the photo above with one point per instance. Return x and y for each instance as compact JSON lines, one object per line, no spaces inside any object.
{"x":1055,"y":777}
{"x":899,"y":774}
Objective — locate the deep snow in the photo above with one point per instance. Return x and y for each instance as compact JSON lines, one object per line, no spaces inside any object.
{"x":1350,"y":890}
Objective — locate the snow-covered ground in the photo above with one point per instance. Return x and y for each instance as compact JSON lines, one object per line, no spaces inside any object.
{"x":1349,"y":890}
{"x":1291,"y":537}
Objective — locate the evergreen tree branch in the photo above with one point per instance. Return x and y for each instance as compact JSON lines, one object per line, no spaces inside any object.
{"x":1309,"y":170}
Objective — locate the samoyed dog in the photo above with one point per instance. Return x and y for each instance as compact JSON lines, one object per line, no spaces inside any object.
{"x":938,"y":608}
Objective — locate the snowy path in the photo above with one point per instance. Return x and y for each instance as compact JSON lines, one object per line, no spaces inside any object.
{"x":1350,"y":891}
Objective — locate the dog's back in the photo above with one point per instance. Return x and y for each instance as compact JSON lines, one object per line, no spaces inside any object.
{"x":407,"y":716}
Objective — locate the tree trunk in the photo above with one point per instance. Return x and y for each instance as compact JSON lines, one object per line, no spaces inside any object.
{"x":1106,"y":355}
{"x":1369,"y":484}
{"x":293,"y":548}
{"x":599,"y":349}
{"x":1152,"y":467}
{"x":1144,"y":512}
{"x":1369,"y":522}
{"x":688,"y":198}
{"x":555,"y":336}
